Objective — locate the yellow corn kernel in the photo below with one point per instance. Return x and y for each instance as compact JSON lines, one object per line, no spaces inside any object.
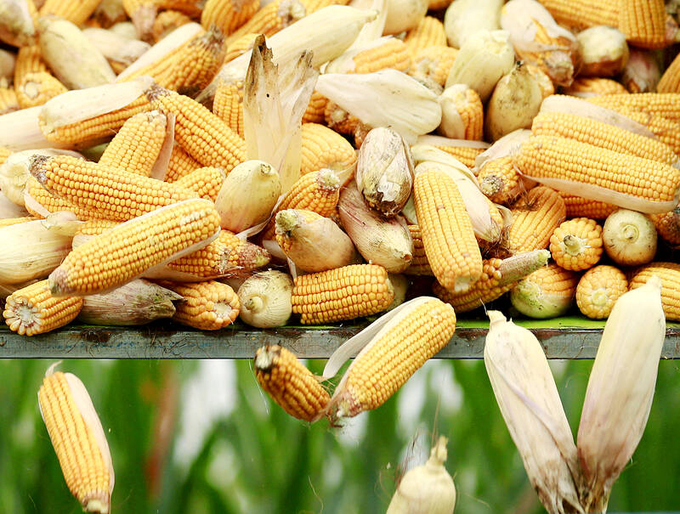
{"x":228,"y":105}
{"x":341,"y":294}
{"x":138,"y":144}
{"x":166,"y":22}
{"x":199,"y":132}
{"x":577,"y":244}
{"x":29,"y":60}
{"x":116,"y":194}
{"x":433,"y":64}
{"x":239,"y":47}
{"x":128,"y":250}
{"x":209,"y":305}
{"x":667,"y":226}
{"x":603,"y":135}
{"x":289,"y":383}
{"x":594,"y":86}
{"x":8,"y":100}
{"x":75,"y":12}
{"x":598,"y":289}
{"x":669,"y":273}
{"x":447,"y":232}
{"x":181,"y":164}
{"x":324,"y":148}
{"x":535,"y":216}
{"x":581,"y":14}
{"x":429,"y":32}
{"x":542,"y":79}
{"x":32,"y":310}
{"x":228,"y":16}
{"x":78,"y":440}
{"x":315,"y":109}
{"x":644,"y":23}
{"x":270,"y":19}
{"x":419,"y":263}
{"x":206,"y":181}
{"x":578,"y":207}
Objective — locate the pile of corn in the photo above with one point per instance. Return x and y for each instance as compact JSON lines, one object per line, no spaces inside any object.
{"x":309,"y":160}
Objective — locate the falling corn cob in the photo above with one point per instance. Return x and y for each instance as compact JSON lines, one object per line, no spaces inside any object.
{"x":599,"y":289}
{"x":577,"y":244}
{"x":668,"y":226}
{"x":343,"y":293}
{"x":547,"y":293}
{"x":498,"y":277}
{"x":33,"y":310}
{"x":228,"y":104}
{"x":669,"y":273}
{"x":324,"y":148}
{"x":209,"y":305}
{"x":180,"y":164}
{"x":228,"y":16}
{"x":78,"y":439}
{"x":130,"y":249}
{"x":205,"y":181}
{"x":413,"y":335}
{"x":289,"y":383}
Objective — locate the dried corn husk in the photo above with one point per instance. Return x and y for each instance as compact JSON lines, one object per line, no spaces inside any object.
{"x":16,"y":23}
{"x":9,"y":209}
{"x":403,"y":15}
{"x":119,"y":50}
{"x":20,"y":130}
{"x":642,"y":72}
{"x":465,"y":18}
{"x":603,"y":50}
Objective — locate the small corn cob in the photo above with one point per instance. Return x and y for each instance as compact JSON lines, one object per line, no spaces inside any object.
{"x":166,"y":22}
{"x":118,"y":195}
{"x":209,"y":305}
{"x":668,"y":226}
{"x":500,"y":181}
{"x":498,"y":277}
{"x":579,"y":168}
{"x":78,"y":439}
{"x":419,"y":263}
{"x":228,"y":16}
{"x":399,"y":349}
{"x":546,"y":293}
{"x":587,"y":87}
{"x":579,"y":207}
{"x":8,"y":100}
{"x":270,"y":19}
{"x":128,"y":250}
{"x":181,"y":164}
{"x":644,"y":23}
{"x":462,"y":113}
{"x":577,"y":244}
{"x":581,"y":14}
{"x":464,"y":150}
{"x":535,"y":216}
{"x":315,"y":109}
{"x":239,"y":47}
{"x":341,"y":294}
{"x":199,"y":132}
{"x":669,"y":273}
{"x":429,"y":32}
{"x":29,"y":60}
{"x":433,"y":64}
{"x":228,"y":104}
{"x":37,"y":88}
{"x":289,"y":383}
{"x":387,"y":52}
{"x":542,"y":79}
{"x":32,"y":310}
{"x":599,"y":289}
{"x":138,"y":144}
{"x":603,"y":135}
{"x":322,"y":148}
{"x":190,"y":67}
{"x":75,"y":12}
{"x":670,"y":80}
{"x":443,"y":219}
{"x":205,"y":181}
{"x":662,"y":104}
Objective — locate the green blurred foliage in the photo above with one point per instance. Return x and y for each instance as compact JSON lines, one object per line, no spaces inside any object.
{"x":256,"y":458}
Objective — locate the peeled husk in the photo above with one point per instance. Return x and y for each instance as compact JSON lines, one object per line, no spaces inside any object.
{"x":266,"y":299}
{"x":16,"y":23}
{"x":119,"y":50}
{"x":403,"y":15}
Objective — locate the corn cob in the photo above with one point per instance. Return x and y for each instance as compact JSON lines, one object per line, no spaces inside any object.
{"x":546,"y":293}
{"x":581,"y":14}
{"x":199,"y":132}
{"x":8,"y":100}
{"x":442,"y":218}
{"x":32,"y":310}
{"x":126,"y":251}
{"x":462,"y":113}
{"x":599,"y":289}
{"x":661,"y":104}
{"x":228,"y":16}
{"x":668,"y":226}
{"x":315,"y":109}
{"x":644,"y":23}
{"x":498,"y":277}
{"x":382,"y":53}
{"x":181,"y":164}
{"x":322,"y":148}
{"x":399,"y":349}
{"x":37,"y":88}
{"x":166,"y":22}
{"x":670,"y":80}
{"x":587,"y":87}
{"x":138,"y":144}
{"x":419,"y":263}
{"x":535,"y":217}
{"x":500,"y":181}
{"x":432,"y":64}
{"x":118,"y":195}
{"x":429,"y":32}
{"x":577,"y":244}
{"x":29,"y":60}
{"x":270,"y":19}
{"x":579,"y":168}
{"x":341,"y":294}
{"x":579,"y":207}
{"x":228,"y":104}
{"x":209,"y":305}
{"x":669,"y":273}
{"x":17,"y":22}
{"x":78,"y":439}
{"x":289,"y":383}
{"x":75,"y":12}
{"x":206,"y":181}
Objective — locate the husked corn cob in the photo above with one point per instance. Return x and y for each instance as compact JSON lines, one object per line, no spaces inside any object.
{"x":8,"y":100}
{"x":199,"y":132}
{"x":644,"y":23}
{"x":78,"y":440}
{"x":429,"y":32}
{"x":662,"y":104}
{"x":577,"y":244}
{"x":668,"y":226}
{"x":205,"y":181}
{"x":578,"y":207}
{"x":181,"y":164}
{"x":444,"y":220}
{"x":377,"y":55}
{"x":500,"y":181}
{"x":432,"y":64}
{"x":75,"y":12}
{"x":535,"y":216}
{"x":228,"y":16}
{"x":228,"y":104}
{"x":208,"y":305}
{"x":343,"y":293}
{"x":419,"y":263}
{"x":270,"y":19}
{"x":603,"y":135}
{"x":594,"y":86}
{"x":392,"y":356}
{"x":581,"y":14}
{"x":37,"y":88}
{"x":29,"y":60}
{"x":32,"y":310}
{"x":546,"y":293}
{"x":289,"y":383}
{"x":669,"y":273}
{"x":598,"y":289}
{"x":128,"y":250}
{"x":324,"y":148}
{"x":166,"y":22}
{"x":315,"y":109}
{"x":670,"y":80}
{"x":579,"y":168}
{"x":138,"y":144}
{"x":40,"y":202}
{"x":462,"y":113}
{"x":116,"y":194}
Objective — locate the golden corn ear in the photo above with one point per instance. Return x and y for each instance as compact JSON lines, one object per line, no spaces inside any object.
{"x":429,"y":32}
{"x":228,"y":16}
{"x":661,"y":104}
{"x":324,"y":148}
{"x":546,"y":293}
{"x":577,"y":244}
{"x":343,"y":293}
{"x":181,"y":164}
{"x":670,"y":80}
{"x":599,"y":289}
{"x":581,"y":14}
{"x":669,"y":273}
{"x":315,"y":109}
{"x":38,"y":88}
{"x":390,"y":359}
{"x":535,"y":216}
{"x":644,"y":23}
{"x":45,"y":202}
{"x":206,"y":182}
{"x":209,"y":305}
{"x":228,"y":104}
{"x":289,"y":383}
{"x":579,"y":207}
{"x":32,"y":310}
{"x":392,"y":53}
{"x":78,"y":440}
{"x":270,"y":19}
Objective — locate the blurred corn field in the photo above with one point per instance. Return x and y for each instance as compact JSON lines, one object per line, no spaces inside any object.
{"x":200,"y":437}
